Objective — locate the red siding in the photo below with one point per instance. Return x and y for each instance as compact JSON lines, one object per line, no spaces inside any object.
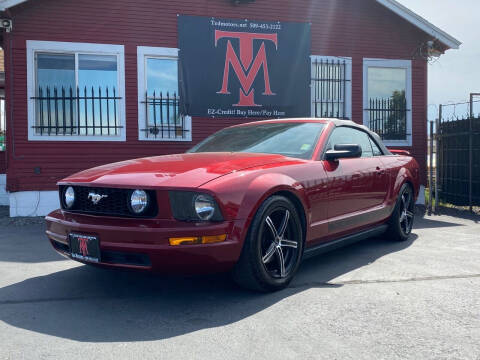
{"x":354,"y":28}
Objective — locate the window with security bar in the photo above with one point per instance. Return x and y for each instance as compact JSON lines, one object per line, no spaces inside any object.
{"x":161,"y":119}
{"x":387,"y":99}
{"x":331,"y":87}
{"x":76,"y":94}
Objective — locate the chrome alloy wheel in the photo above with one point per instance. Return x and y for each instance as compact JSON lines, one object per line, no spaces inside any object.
{"x":406,"y":212}
{"x":279,"y":243}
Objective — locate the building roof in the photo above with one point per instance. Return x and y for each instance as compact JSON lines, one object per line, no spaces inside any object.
{"x":392,"y":5}
{"x":421,"y":23}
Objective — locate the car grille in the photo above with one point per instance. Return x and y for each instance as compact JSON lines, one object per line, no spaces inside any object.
{"x":116,"y":202}
{"x":112,"y":257}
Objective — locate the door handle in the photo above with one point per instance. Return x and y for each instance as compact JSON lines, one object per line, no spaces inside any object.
{"x":380,"y":171}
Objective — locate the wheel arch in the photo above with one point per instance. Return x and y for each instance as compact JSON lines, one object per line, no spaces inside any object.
{"x":270,"y":185}
{"x":298,"y":206}
{"x":404,"y":176}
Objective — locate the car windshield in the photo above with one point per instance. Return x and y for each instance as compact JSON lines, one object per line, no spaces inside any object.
{"x":294,"y":139}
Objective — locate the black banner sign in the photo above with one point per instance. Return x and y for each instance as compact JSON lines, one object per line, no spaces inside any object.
{"x":244,"y":68}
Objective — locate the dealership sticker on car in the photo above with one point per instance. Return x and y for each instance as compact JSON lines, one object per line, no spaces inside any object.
{"x":85,"y":247}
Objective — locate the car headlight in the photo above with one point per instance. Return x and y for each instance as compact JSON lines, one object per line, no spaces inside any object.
{"x":204,"y":206}
{"x":138,"y":201}
{"x":191,"y":206}
{"x":69,"y":197}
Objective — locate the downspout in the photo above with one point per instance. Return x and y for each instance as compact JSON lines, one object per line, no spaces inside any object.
{"x":11,"y":122}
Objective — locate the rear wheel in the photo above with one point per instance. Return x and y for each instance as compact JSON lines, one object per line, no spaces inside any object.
{"x":273,"y":248}
{"x":401,"y":222}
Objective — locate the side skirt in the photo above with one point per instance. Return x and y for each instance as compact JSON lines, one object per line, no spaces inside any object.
{"x":347,"y":240}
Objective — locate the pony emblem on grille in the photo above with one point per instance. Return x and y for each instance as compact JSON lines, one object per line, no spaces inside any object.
{"x":96,"y":197}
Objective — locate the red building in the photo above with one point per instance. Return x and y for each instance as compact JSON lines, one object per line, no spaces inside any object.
{"x":368,"y":62}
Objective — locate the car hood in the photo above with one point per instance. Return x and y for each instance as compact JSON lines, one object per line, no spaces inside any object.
{"x":182,"y":170}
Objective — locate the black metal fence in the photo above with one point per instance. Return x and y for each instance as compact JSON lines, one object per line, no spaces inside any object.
{"x":162,"y":117}
{"x":388,"y":117}
{"x":329,"y":84}
{"x":75,"y":111}
{"x":458,"y":161}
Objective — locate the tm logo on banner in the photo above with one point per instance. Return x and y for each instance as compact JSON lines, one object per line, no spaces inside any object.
{"x":243,"y":68}
{"x":246,"y":68}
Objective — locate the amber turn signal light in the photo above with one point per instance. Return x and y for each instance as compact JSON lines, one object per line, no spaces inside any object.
{"x":185,"y":241}
{"x":213,"y":239}
{"x":195,"y":240}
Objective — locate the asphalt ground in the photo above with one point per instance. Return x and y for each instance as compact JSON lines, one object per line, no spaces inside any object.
{"x":372,"y":300}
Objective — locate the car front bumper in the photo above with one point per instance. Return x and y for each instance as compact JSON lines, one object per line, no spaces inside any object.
{"x":144,"y":243}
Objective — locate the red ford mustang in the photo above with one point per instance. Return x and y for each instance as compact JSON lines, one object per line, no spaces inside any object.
{"x":254,"y":199}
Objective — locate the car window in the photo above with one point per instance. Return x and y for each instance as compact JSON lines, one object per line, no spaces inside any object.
{"x":294,"y":139}
{"x":375,"y":148}
{"x":348,"y":135}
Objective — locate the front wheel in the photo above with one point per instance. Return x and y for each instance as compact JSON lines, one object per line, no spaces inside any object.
{"x":273,"y":247}
{"x":401,"y":222}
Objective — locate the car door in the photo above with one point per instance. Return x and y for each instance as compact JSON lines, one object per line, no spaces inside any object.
{"x":357,"y":186}
{"x":382,"y":180}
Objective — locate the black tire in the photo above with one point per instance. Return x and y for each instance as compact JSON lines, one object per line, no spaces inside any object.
{"x":401,"y":222}
{"x":259,"y":267}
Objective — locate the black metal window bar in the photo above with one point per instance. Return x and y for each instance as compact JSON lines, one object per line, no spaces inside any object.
{"x":163,"y":118}
{"x":80,"y":112}
{"x":2,"y":124}
{"x":329,"y":84}
{"x":388,"y":117}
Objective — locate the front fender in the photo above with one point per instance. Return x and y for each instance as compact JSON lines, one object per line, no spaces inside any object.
{"x":265,"y":186}
{"x":261,"y":188}
{"x":241,"y":194}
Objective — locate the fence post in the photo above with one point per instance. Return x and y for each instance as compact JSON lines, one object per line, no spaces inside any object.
{"x":430,"y":182}
{"x":470,"y":155}
{"x":437,"y":154}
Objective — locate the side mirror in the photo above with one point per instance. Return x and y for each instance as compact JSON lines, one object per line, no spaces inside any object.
{"x":344,"y":151}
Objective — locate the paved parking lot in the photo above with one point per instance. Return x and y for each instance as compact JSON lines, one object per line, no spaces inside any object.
{"x":375,"y":299}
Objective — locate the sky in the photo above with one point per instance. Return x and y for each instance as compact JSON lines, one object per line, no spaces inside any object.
{"x":457,"y":73}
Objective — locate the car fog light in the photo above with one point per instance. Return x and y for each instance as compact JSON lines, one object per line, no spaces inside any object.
{"x":138,"y":201}
{"x":69,"y":197}
{"x":204,"y":206}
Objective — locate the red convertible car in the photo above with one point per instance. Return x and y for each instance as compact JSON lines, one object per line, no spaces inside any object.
{"x":253,"y":199}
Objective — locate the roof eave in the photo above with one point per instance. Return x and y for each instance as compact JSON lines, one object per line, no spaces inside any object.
{"x":392,"y":5}
{"x":421,"y":23}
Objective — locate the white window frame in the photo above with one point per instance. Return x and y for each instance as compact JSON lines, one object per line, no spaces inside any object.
{"x":34,"y":46}
{"x":394,"y":64}
{"x":144,"y":52}
{"x":348,"y":83}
